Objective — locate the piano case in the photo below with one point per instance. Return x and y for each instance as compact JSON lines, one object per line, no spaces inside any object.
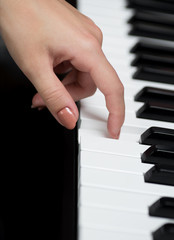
{"x":38,"y":164}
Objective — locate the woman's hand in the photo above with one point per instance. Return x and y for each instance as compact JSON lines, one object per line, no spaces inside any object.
{"x":46,"y":37}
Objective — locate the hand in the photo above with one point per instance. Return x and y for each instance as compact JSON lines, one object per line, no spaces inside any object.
{"x":46,"y":37}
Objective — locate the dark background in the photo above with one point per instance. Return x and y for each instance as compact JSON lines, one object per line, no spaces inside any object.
{"x":37,"y":164}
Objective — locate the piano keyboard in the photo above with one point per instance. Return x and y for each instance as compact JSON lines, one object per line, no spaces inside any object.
{"x":118,"y":191}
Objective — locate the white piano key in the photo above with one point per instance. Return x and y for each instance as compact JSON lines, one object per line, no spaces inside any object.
{"x":102,"y":3}
{"x":124,"y":137}
{"x":122,"y":68}
{"x":117,"y":57}
{"x":118,"y":200}
{"x":130,"y":92}
{"x":131,"y":89}
{"x":91,"y":124}
{"x":131,"y":120}
{"x":113,"y":197}
{"x":121,"y":32}
{"x":99,"y":129}
{"x":115,"y":43}
{"x":136,"y":85}
{"x":109,"y":17}
{"x":99,"y":101}
{"x":95,"y":234}
{"x":133,"y":106}
{"x":139,"y":84}
{"x":119,"y":221}
{"x":101,"y":114}
{"x":122,"y":181}
{"x":111,"y":146}
{"x":121,"y":42}
{"x":113,"y":162}
{"x":95,"y":10}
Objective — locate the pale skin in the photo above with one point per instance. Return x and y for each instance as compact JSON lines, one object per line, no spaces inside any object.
{"x":46,"y":37}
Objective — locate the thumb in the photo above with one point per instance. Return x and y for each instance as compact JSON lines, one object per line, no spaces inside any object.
{"x":56,"y":98}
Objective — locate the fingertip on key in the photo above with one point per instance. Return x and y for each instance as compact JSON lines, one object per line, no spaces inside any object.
{"x":115,"y":134}
{"x":114,"y":126}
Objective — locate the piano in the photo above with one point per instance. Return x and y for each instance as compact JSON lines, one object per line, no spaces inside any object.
{"x":119,"y":187}
{"x":112,"y":189}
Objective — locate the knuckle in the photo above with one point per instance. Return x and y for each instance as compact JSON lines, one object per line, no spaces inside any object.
{"x":99,"y":34}
{"x":89,"y":20}
{"x":96,"y":29}
{"x":90,"y":43}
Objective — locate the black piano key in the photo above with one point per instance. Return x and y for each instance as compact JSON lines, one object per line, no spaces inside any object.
{"x":166,"y":232}
{"x":152,"y":5}
{"x":154,"y":75}
{"x":155,"y":95}
{"x":153,"y":61}
{"x":156,"y":112}
{"x":160,"y":175}
{"x":146,"y":48}
{"x":154,"y":18}
{"x":164,"y":207}
{"x":158,"y":154}
{"x":157,"y":135}
{"x":152,"y":25}
{"x":152,"y":31}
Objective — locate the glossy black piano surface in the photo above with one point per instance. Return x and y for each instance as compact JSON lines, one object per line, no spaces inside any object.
{"x":38,"y":171}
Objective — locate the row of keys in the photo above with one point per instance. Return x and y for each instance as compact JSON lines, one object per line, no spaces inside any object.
{"x":114,"y":200}
{"x":156,"y":67}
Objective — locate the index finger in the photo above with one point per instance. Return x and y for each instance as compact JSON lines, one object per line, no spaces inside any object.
{"x":108,"y":82}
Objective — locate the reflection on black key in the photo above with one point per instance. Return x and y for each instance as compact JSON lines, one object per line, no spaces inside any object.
{"x":155,"y":95}
{"x":156,"y":112}
{"x":164,"y":207}
{"x":157,"y":135}
{"x":160,"y":175}
{"x":146,"y":48}
{"x":157,"y":154}
{"x":152,"y":5}
{"x":154,"y":74}
{"x":166,"y":232}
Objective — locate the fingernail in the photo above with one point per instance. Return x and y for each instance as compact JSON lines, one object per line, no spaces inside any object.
{"x":66,"y":118}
